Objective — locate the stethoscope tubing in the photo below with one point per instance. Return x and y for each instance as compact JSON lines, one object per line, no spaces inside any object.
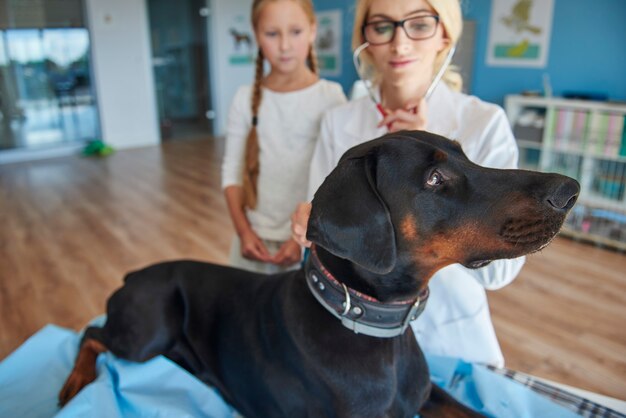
{"x":431,"y":88}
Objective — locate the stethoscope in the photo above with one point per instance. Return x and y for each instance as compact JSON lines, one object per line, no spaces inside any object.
{"x":368,"y":84}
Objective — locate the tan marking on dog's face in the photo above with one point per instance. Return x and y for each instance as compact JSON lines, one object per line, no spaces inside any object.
{"x":471,"y":237}
{"x":408,"y":228}
{"x":440,"y":156}
{"x":448,"y":248}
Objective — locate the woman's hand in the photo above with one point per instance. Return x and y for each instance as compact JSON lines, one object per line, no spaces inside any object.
{"x":412,"y":117}
{"x":299,"y":221}
{"x":288,"y":254}
{"x":252,"y":247}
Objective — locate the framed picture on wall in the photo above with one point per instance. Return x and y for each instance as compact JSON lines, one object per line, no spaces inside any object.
{"x":242,"y":48}
{"x":519,"y":33}
{"x":328,"y":42}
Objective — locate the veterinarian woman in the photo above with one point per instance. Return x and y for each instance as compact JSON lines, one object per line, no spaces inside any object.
{"x":272,"y":129}
{"x":408,"y":42}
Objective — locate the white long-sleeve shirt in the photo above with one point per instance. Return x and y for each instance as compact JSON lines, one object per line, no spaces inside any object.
{"x":288,"y":128}
{"x":456,"y":321}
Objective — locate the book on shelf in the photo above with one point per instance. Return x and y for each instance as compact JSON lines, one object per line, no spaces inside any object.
{"x":596,"y":134}
{"x":614,"y":134}
{"x":562,"y":128}
{"x":569,"y":129}
{"x":622,"y":149}
{"x":605,"y":134}
{"x":579,"y":130}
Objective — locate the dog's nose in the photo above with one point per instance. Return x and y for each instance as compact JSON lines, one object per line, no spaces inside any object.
{"x":564,"y":195}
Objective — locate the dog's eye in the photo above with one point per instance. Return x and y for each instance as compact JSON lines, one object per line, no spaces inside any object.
{"x":435,"y":179}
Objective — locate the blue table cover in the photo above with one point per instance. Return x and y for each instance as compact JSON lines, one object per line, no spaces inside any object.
{"x":32,"y":376}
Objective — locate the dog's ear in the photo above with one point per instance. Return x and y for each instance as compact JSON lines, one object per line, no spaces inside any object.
{"x":350,"y":219}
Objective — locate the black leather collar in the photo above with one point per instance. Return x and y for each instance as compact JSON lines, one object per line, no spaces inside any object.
{"x":358,"y":312}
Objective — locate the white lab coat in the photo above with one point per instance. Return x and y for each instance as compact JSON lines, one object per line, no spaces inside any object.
{"x":456,"y":321}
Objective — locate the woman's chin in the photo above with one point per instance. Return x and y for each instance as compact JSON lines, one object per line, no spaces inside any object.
{"x":403,"y":76}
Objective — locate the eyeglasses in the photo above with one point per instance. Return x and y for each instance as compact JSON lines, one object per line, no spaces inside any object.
{"x":416,"y":28}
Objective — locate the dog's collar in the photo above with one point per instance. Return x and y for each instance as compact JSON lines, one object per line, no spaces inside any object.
{"x":360,"y":313}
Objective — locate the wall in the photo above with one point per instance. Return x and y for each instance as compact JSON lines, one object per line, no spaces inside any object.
{"x":587,"y":53}
{"x":348,"y":73}
{"x":123,"y":72}
{"x":587,"y":50}
{"x":228,"y":75}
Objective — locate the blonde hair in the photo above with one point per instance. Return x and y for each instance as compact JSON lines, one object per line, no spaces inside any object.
{"x":251,"y":167}
{"x":451,"y":19}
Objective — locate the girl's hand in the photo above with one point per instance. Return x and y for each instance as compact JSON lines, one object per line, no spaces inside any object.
{"x":288,"y":254}
{"x":412,"y":118}
{"x":252,"y":247}
{"x":299,"y":221}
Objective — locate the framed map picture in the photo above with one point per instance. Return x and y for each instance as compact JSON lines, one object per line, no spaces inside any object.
{"x":519,"y":33}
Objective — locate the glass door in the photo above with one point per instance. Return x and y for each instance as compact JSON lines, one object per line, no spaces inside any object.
{"x":180,"y":61}
{"x":46,"y":92}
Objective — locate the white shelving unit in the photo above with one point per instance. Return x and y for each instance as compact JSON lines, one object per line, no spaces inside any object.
{"x":585,"y":140}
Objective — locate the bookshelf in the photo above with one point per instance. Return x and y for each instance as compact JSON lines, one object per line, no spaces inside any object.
{"x":585,"y":140}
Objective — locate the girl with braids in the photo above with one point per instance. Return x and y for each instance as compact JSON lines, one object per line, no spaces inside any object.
{"x":272,"y":129}
{"x":408,"y":41}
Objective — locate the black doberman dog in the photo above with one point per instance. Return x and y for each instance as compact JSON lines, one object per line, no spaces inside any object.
{"x":393,"y":212}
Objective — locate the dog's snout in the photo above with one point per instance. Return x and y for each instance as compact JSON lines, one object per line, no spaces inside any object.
{"x":565,"y":194}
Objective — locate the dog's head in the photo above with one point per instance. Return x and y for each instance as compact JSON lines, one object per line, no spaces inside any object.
{"x":413,"y":200}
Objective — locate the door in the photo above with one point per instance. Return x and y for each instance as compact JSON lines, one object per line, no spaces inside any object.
{"x":180,"y":62}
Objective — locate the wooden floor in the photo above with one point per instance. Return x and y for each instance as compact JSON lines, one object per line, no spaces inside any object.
{"x":72,"y":227}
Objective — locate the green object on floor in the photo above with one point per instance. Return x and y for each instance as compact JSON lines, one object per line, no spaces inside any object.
{"x":97,"y":148}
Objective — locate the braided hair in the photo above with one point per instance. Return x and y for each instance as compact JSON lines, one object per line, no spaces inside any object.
{"x":251,"y":167}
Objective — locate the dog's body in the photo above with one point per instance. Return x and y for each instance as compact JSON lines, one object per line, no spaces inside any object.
{"x":263,"y":341}
{"x":392,"y":213}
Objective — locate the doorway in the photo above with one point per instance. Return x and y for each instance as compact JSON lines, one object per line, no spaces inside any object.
{"x":178,"y":33}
